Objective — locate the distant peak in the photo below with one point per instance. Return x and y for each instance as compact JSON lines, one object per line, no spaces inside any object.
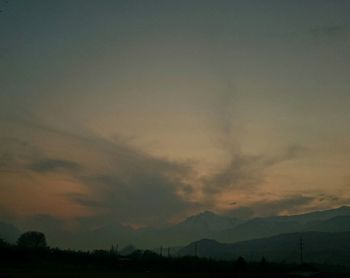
{"x":344,"y":207}
{"x":203,"y":214}
{"x":206,"y":240}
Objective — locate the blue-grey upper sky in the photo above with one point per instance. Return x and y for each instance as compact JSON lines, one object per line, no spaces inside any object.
{"x":147,"y":111}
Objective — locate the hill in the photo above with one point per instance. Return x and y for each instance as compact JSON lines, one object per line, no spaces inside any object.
{"x":319,"y":247}
{"x":222,"y":228}
{"x":269,"y":226}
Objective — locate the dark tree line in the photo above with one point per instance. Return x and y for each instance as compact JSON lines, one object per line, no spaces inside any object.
{"x":32,"y":251}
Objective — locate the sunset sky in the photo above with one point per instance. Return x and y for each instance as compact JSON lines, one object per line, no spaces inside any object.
{"x":146,"y":112}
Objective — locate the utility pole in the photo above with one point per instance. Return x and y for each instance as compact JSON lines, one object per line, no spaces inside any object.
{"x":161,"y":250}
{"x":301,"y":245}
{"x":114,"y":250}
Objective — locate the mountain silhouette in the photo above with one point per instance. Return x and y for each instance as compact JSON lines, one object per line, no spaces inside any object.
{"x":319,"y":247}
{"x":269,"y":226}
{"x":201,"y":225}
{"x":206,"y":224}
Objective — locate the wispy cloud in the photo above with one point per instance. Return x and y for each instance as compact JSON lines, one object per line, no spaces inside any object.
{"x":246,"y":171}
{"x":328,"y":31}
{"x":273,"y":207}
{"x":130,"y":186}
{"x":287,"y":204}
{"x":49,"y":165}
{"x":119,"y":182}
{"x":320,"y":33}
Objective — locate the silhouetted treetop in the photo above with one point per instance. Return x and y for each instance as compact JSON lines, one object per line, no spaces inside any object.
{"x":32,"y":239}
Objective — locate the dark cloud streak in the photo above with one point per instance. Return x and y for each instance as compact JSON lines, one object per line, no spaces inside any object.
{"x":273,"y":207}
{"x":49,"y":165}
{"x":135,"y":187}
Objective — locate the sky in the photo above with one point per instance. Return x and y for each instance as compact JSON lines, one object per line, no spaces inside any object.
{"x":145,"y":112}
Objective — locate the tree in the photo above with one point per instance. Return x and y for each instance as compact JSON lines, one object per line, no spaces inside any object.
{"x":240,"y":266}
{"x":32,"y":239}
{"x":3,"y":243}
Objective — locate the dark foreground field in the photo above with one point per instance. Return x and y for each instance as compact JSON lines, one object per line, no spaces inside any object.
{"x":48,"y":262}
{"x":45,"y":269}
{"x":58,"y":270}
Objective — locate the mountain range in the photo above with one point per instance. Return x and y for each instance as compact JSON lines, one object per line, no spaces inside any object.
{"x":327,"y":221}
{"x":318,"y":247}
{"x":208,"y":225}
